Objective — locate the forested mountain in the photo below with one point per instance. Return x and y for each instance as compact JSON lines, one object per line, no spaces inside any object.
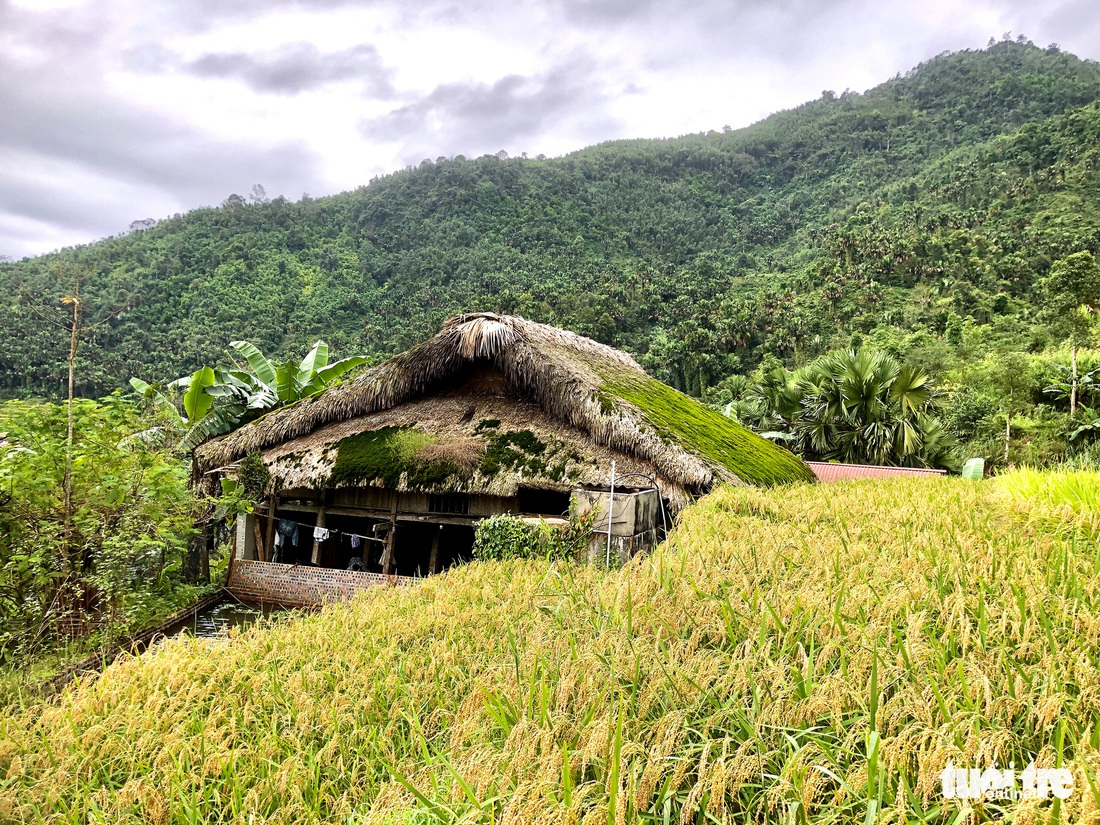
{"x":936,"y":197}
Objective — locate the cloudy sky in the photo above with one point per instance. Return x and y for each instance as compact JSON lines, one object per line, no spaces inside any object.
{"x":118,"y":110}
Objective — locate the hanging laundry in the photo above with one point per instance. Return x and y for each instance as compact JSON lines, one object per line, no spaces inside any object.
{"x":288,"y":531}
{"x":355,"y":542}
{"x":321,"y":533}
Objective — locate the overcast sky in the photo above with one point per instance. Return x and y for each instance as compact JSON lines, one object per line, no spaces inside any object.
{"x":118,"y":110}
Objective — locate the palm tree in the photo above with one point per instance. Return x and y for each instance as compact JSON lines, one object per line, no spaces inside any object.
{"x":865,"y":407}
{"x":860,"y":407}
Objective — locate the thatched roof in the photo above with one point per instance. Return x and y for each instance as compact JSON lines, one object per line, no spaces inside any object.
{"x":469,"y":439}
{"x":598,"y":390}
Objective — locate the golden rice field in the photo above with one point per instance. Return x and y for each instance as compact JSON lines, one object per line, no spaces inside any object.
{"x":803,"y":654}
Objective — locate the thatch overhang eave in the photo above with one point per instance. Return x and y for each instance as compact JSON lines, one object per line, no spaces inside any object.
{"x":565,"y":457}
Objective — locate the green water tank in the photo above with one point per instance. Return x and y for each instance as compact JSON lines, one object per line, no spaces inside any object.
{"x":974,"y":469}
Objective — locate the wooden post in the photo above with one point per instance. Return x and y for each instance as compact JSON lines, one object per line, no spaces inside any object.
{"x":204,"y":553}
{"x":269,"y":538}
{"x":368,"y":551}
{"x":261,"y":551}
{"x":316,"y":557}
{"x":433,"y":565}
{"x":391,"y":539}
{"x":191,"y":563}
{"x":387,"y":553}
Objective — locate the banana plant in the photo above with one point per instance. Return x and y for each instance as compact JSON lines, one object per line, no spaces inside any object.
{"x":217,"y":400}
{"x":1062,"y":388}
{"x":290,"y":381}
{"x":1089,"y":428}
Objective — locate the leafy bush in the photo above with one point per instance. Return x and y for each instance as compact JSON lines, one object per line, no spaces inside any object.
{"x":505,"y":537}
{"x":111,"y":561}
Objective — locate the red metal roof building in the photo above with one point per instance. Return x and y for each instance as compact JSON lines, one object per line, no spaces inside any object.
{"x":829,"y":471}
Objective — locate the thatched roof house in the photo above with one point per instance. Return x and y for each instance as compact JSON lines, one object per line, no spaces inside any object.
{"x":499,"y":407}
{"x":482,"y":377}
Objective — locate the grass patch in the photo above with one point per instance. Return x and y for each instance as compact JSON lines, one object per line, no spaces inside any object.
{"x":1076,"y":490}
{"x":1063,"y":498}
{"x":809,"y":653}
{"x":368,"y":457}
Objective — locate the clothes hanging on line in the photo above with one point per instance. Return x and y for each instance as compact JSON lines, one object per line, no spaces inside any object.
{"x":287,"y":530}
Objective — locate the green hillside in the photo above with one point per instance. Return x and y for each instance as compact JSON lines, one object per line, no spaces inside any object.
{"x":937,"y":196}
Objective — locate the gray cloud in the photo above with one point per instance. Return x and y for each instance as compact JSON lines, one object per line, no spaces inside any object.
{"x":75,"y":154}
{"x":82,"y":153}
{"x":74,"y":31}
{"x":477,"y":117}
{"x":117,"y":138}
{"x":299,"y":67}
{"x":199,"y":15}
{"x":700,"y":15}
{"x":1071,"y":23}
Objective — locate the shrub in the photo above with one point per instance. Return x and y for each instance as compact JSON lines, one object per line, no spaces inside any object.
{"x":505,"y":537}
{"x":113,"y":559}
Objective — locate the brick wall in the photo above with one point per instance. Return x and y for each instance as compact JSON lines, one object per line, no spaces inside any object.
{"x":292,"y":584}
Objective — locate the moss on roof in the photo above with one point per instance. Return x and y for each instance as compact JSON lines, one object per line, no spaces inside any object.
{"x":718,"y":439}
{"x":384,"y":455}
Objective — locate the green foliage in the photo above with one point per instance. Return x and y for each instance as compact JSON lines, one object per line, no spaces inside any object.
{"x":1071,"y":294}
{"x":277,"y":384}
{"x":217,"y":400}
{"x":386,"y":454}
{"x":969,"y":412}
{"x":132,"y":514}
{"x":1086,"y":429}
{"x":1062,"y":381}
{"x":860,"y":407}
{"x":365,"y":457}
{"x":253,"y":477}
{"x":505,"y":537}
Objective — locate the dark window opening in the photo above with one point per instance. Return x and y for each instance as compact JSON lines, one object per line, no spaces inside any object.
{"x":543,"y":502}
{"x":414,"y":541}
{"x":455,"y":503}
{"x":357,"y":543}
{"x":292,"y":537}
{"x":353,"y":544}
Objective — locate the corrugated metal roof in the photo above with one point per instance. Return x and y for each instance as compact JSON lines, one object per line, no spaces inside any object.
{"x":828,"y":471}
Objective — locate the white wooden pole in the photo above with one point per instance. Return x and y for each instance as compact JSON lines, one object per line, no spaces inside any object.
{"x":610,"y":514}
